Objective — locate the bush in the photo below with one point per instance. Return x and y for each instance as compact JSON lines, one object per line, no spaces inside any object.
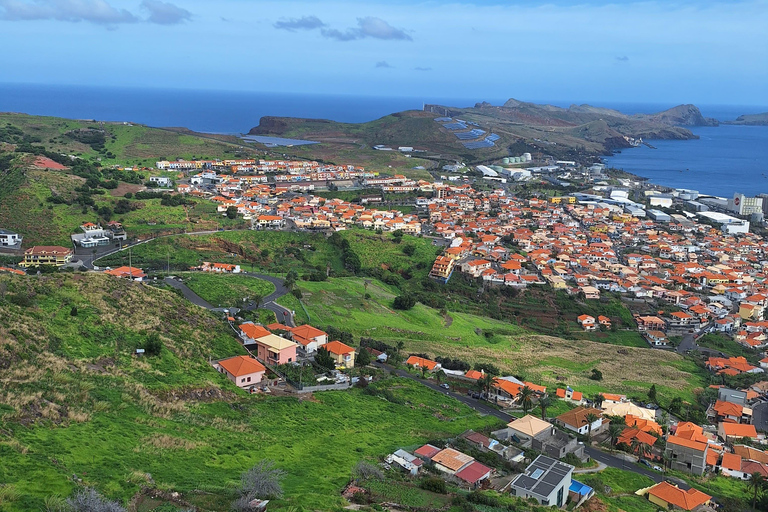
{"x":433,"y":484}
{"x":88,"y":500}
{"x":596,"y":374}
{"x":153,"y":346}
{"x":73,"y":311}
{"x":262,"y":481}
{"x":404,"y":302}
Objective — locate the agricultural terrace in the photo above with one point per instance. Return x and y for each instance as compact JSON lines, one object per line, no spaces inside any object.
{"x":76,"y":401}
{"x":227,"y":289}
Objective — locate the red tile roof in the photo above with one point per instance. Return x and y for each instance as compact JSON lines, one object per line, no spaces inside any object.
{"x":242,"y":365}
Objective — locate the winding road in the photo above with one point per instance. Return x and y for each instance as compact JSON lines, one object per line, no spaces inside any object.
{"x":283,"y":315}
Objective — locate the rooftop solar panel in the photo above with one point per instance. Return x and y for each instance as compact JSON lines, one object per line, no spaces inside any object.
{"x":455,"y":126}
{"x":492,"y":137}
{"x":443,"y":119}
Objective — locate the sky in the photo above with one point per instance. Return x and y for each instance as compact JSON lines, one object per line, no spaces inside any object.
{"x":708,"y":52}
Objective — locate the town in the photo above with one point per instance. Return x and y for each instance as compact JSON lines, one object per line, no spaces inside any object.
{"x":687,"y":274}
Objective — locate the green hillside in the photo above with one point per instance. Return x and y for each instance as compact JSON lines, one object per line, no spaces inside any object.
{"x":75,"y":401}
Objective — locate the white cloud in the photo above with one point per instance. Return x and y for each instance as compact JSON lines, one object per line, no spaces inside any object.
{"x":165,"y":13}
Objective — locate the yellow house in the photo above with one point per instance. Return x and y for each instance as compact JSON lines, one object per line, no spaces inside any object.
{"x":344,"y":355}
{"x":668,"y":496}
{"x":557,"y":282}
{"x":46,"y":255}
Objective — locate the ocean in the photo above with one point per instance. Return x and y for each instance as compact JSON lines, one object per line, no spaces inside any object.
{"x":724,"y":160}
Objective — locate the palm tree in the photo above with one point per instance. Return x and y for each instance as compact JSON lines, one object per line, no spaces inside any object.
{"x":589,"y":419}
{"x":614,"y":431}
{"x":485,"y":383}
{"x":526,"y":399}
{"x":440,"y":375}
{"x":598,"y":399}
{"x":640,"y":448}
{"x":544,"y":403}
{"x":756,"y":484}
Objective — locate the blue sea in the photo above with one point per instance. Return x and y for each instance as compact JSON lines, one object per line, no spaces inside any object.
{"x":724,"y":160}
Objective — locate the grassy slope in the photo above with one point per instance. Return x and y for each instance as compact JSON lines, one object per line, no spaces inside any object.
{"x":244,"y":247}
{"x":74,"y":400}
{"x":227,"y":290}
{"x":540,"y":359}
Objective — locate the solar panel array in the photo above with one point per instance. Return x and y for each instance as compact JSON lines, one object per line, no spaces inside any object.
{"x":455,"y":126}
{"x":478,"y":144}
{"x":492,"y":137}
{"x":472,"y":134}
{"x":443,"y":119}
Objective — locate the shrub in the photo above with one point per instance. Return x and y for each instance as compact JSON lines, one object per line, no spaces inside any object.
{"x":404,"y":302}
{"x":365,"y":470}
{"x":596,"y":374}
{"x":153,"y":345}
{"x":73,"y":311}
{"x":88,"y":500}
{"x":433,"y":484}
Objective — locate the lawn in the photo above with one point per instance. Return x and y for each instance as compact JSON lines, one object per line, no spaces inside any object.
{"x":723,"y":343}
{"x":227,"y":290}
{"x":78,"y":402}
{"x":616,"y":488}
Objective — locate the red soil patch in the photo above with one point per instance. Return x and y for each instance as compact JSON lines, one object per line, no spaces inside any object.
{"x":46,"y":163}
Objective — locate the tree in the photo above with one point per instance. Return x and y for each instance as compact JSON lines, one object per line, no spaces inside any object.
{"x":589,"y":419}
{"x":262,"y":481}
{"x":596,"y":374}
{"x":88,"y":500}
{"x":409,"y":249}
{"x":73,"y":311}
{"x":640,"y":448}
{"x":351,"y":261}
{"x":231,"y":212}
{"x":363,"y":357}
{"x":676,"y":405}
{"x":544,"y":403}
{"x":597,"y":399}
{"x":614,"y":432}
{"x":404,"y":302}
{"x":153,"y":345}
{"x":324,"y":359}
{"x":757,"y":484}
{"x":290,"y":279}
{"x":366,"y":471}
{"x":652,"y":393}
{"x":440,"y":375}
{"x":485,"y":383}
{"x":526,"y":399}
{"x":257,"y":300}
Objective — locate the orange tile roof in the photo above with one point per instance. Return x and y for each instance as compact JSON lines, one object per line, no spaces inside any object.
{"x":338,"y":348}
{"x":420,"y":361}
{"x":577,"y":417}
{"x":687,"y":443}
{"x":242,"y":365}
{"x":749,"y":453}
{"x":474,"y":374}
{"x":686,"y":500}
{"x":731,"y":461}
{"x":254,"y":331}
{"x":739,"y":430}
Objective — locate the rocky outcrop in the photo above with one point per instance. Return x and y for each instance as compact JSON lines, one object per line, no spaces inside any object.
{"x":681,"y":115}
{"x":751,"y":120}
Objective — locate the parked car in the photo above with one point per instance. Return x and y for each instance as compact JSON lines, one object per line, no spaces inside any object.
{"x":646,"y":463}
{"x":445,"y":386}
{"x":657,"y":468}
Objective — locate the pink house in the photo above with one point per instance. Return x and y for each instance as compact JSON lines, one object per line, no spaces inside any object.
{"x":243,"y":371}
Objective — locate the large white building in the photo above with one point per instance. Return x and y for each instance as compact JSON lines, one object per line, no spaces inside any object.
{"x":546,"y":480}
{"x":744,"y":205}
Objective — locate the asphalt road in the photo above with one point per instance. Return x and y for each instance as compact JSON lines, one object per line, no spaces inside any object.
{"x":282,"y":314}
{"x":688,"y":343}
{"x":760,"y":416}
{"x":482,"y":407}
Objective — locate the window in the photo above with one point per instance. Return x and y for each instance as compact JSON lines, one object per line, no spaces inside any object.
{"x":242,"y":380}
{"x":249,"y":379}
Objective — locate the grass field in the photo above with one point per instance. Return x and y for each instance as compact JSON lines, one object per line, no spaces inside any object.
{"x":341,"y":302}
{"x":227,"y":289}
{"x":75,"y":401}
{"x":541,"y":359}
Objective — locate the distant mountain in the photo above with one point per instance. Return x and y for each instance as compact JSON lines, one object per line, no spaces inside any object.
{"x":681,"y":115}
{"x":579,"y":132}
{"x":751,"y":120}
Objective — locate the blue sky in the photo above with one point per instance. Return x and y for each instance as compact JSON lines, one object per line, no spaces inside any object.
{"x":702,"y":52}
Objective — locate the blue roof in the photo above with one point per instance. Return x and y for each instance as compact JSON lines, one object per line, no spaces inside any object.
{"x":579,"y":488}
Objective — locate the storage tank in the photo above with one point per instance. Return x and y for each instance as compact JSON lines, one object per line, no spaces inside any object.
{"x":505,"y":160}
{"x":527,"y":157}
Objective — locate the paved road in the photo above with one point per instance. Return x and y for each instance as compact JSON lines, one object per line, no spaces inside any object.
{"x":484,"y":408}
{"x":760,"y":416}
{"x":283,"y":315}
{"x":688,"y":343}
